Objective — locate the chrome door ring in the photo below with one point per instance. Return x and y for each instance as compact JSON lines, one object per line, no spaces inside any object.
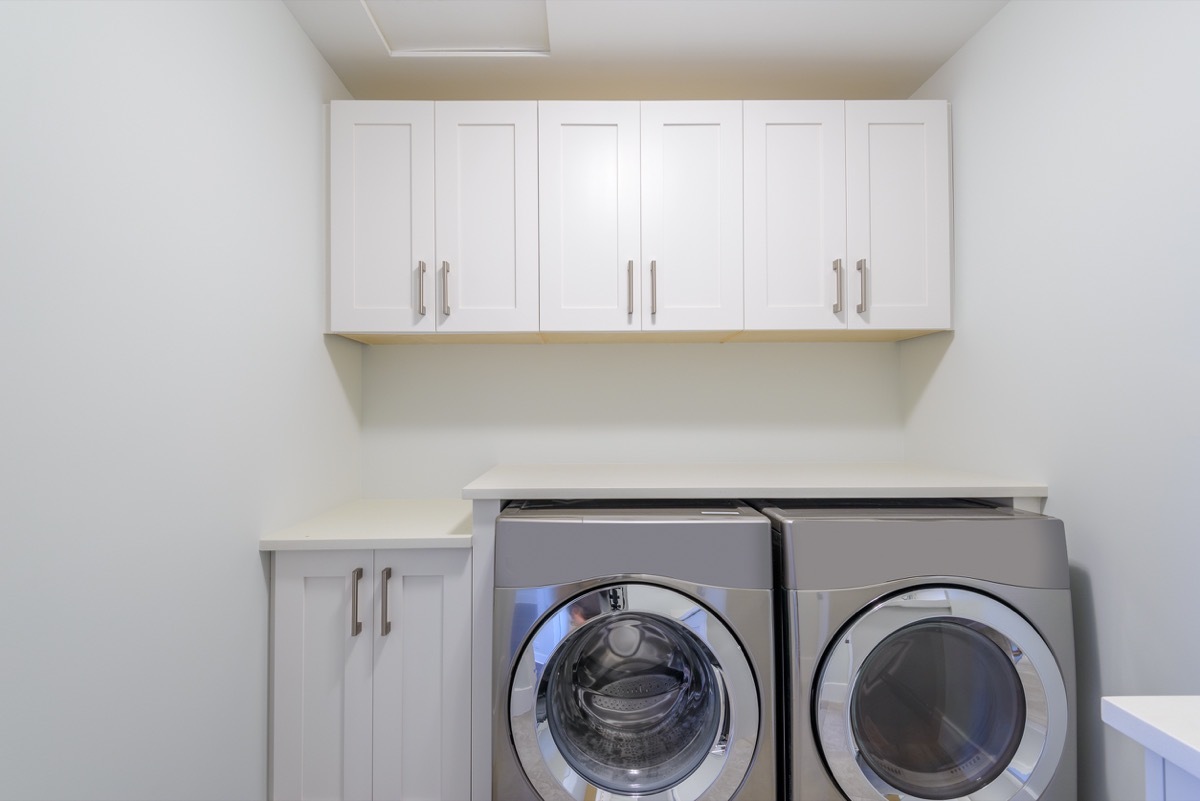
{"x":728,"y":758}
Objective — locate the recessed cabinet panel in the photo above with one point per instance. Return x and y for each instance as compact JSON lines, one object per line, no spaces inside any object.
{"x":795,"y":214}
{"x":589,"y":216}
{"x":321,"y":688}
{"x":324,"y":624}
{"x":487,"y":216}
{"x":422,"y":709}
{"x":898,"y":213}
{"x":692,"y":216}
{"x":897,"y":210}
{"x":381,"y":227}
{"x":589,"y":205}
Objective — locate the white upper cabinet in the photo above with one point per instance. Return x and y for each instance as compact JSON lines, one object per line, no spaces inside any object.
{"x":692,"y":219}
{"x":487,"y":216}
{"x":590,"y":205}
{"x":847,"y":216}
{"x":795,"y":214}
{"x":395,"y":266}
{"x":381,"y":216}
{"x":641,"y":216}
{"x":692,"y":216}
{"x":898,"y":214}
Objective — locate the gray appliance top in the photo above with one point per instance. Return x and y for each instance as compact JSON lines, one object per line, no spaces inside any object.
{"x":835,"y":546}
{"x":606,"y":510}
{"x":712,"y":543}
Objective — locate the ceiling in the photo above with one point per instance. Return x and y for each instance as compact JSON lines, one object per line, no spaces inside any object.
{"x":637,"y":49}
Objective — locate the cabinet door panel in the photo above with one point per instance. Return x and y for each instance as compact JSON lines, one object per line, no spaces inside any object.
{"x":898,"y":212}
{"x":422,"y":724}
{"x":692,"y":215}
{"x":795,"y":214}
{"x":381,"y":215}
{"x":487,"y":216}
{"x":589,"y":167}
{"x":322,"y":699}
{"x":1178,"y":784}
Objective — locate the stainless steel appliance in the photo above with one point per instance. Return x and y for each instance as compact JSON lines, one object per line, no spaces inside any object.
{"x":929,"y":652}
{"x":634,"y":652}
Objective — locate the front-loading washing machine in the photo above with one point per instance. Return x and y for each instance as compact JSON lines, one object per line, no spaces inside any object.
{"x":929,"y":652}
{"x":634,"y":652}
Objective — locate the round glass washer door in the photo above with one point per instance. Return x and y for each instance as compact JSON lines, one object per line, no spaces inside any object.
{"x":941,"y":693}
{"x":634,"y":691}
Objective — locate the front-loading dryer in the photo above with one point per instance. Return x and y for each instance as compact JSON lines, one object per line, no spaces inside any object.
{"x":928,"y":650}
{"x":634,"y":652}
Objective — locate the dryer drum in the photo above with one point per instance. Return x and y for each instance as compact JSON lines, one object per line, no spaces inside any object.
{"x":632,"y":701}
{"x":940,"y":693}
{"x":938,"y":709}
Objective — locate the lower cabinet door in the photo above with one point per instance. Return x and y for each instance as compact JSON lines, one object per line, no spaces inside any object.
{"x":321,"y":675}
{"x":422,"y":675}
{"x":371,"y":675}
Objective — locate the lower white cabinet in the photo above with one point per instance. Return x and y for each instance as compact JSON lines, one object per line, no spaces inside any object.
{"x":1165,"y":726}
{"x":371,"y":674}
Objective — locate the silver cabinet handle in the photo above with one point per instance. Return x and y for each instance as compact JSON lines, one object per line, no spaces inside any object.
{"x":654,"y":287}
{"x":355,"y":623}
{"x":446,"y":288}
{"x":841,"y":289}
{"x":862,"y":285}
{"x":421,"y":288}
{"x":385,"y":628}
{"x":629,"y":271}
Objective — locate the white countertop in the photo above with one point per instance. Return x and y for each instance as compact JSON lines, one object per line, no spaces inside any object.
{"x":377,"y":524}
{"x":741,"y":480}
{"x":1168,"y":725}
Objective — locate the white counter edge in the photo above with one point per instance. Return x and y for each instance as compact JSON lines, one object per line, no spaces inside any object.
{"x":646,"y":481}
{"x":1166,"y":725}
{"x":379,"y":524}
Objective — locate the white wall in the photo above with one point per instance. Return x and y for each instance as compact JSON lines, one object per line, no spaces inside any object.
{"x":435,"y":417}
{"x":1076,"y":356}
{"x":167,"y":394}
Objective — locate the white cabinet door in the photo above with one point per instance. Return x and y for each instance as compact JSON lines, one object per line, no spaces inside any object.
{"x":795,"y":214}
{"x":321,"y":681}
{"x":422,"y":723}
{"x":487,"y":208}
{"x":589,"y":176}
{"x":371,"y":675}
{"x":692,"y":216}
{"x":898,"y":213}
{"x":381,"y":216}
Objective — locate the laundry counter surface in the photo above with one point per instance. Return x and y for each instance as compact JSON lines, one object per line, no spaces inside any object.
{"x":746,"y":480}
{"x":380,"y":524}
